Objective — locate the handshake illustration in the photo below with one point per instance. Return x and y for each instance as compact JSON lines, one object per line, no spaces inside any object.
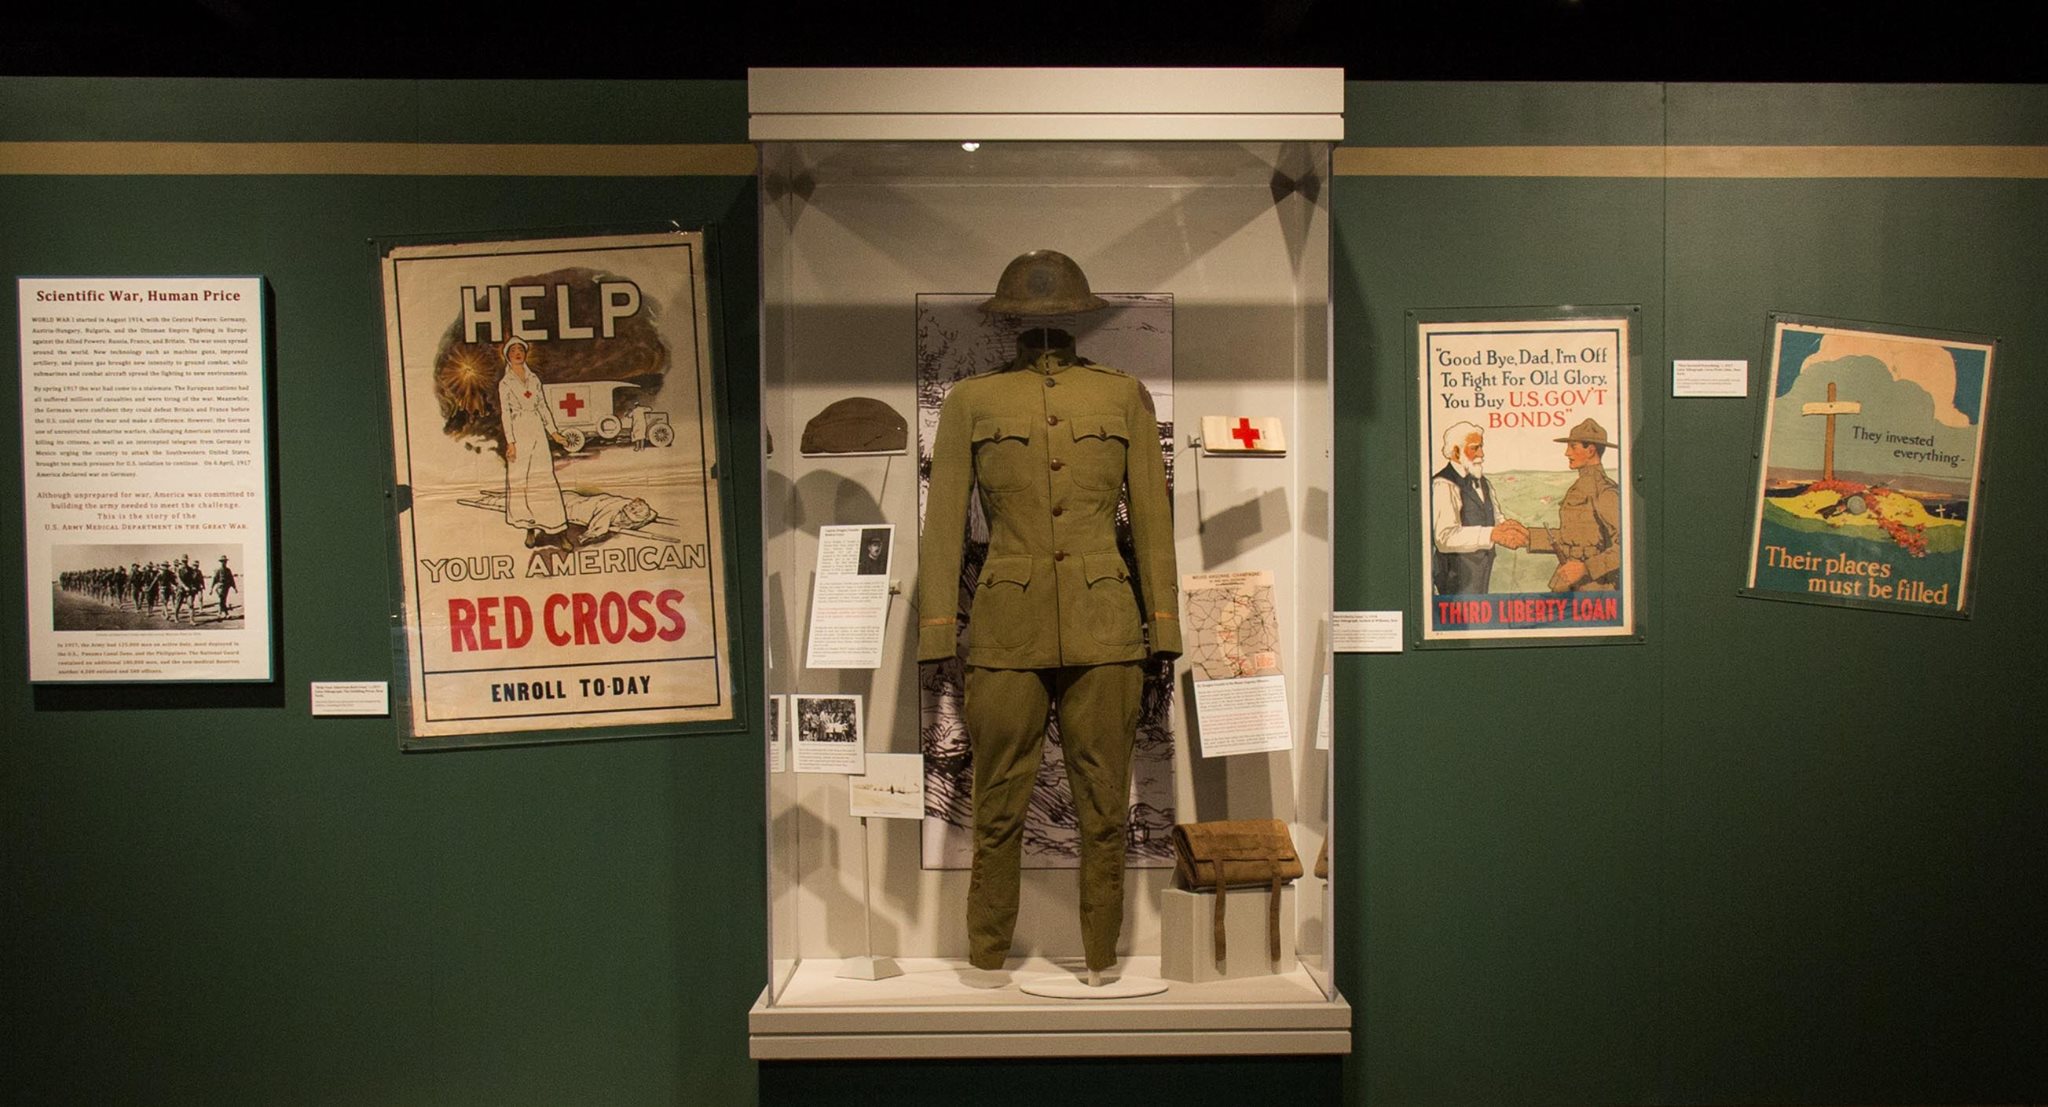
{"x":1511,"y":534}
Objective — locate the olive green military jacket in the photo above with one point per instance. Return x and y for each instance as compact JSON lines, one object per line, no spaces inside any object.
{"x":1050,"y":444}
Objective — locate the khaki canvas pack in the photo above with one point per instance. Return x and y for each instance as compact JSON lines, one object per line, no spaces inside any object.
{"x":1239,"y":853}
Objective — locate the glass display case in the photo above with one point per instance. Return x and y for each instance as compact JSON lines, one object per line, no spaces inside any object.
{"x":1189,"y":289}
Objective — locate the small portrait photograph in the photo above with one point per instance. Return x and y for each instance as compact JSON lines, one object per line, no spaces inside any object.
{"x":146,"y":586}
{"x":874,"y":551}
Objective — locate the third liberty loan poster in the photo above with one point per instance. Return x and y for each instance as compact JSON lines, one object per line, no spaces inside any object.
{"x":552,"y":406}
{"x":1527,"y":522}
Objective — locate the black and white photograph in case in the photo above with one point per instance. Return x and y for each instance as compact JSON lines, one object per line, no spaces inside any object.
{"x":148,"y":586}
{"x":828,"y":718}
{"x":828,"y":735}
{"x":874,"y":551}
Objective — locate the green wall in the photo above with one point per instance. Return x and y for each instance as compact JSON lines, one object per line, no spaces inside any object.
{"x":1778,"y":853}
{"x":211,"y":897}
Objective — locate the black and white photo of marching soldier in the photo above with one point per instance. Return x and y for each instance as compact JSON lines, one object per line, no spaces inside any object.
{"x":828,"y":718}
{"x":152,"y":586}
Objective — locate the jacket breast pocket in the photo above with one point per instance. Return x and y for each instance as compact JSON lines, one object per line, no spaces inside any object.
{"x":1002,"y":454}
{"x":1112,"y":602}
{"x":1101,"y":447}
{"x":1001,"y":614}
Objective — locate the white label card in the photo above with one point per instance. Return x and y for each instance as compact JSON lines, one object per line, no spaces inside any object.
{"x":850,"y":597}
{"x":1365,"y":631}
{"x":1323,"y":721}
{"x":351,"y":697}
{"x":1246,"y":715}
{"x":1697,"y":378}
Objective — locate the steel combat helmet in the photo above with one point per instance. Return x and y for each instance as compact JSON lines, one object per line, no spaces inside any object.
{"x":1043,"y":282}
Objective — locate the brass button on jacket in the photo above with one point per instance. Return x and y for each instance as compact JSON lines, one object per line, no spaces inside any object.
{"x":1054,"y":591}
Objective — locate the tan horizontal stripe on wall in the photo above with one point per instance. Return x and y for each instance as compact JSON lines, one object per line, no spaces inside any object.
{"x":737,"y":160}
{"x":1498,"y":161}
{"x":1859,"y":161}
{"x":396,"y":159}
{"x":1752,"y":162}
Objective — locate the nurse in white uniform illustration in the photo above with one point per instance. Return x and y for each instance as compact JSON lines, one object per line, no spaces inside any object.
{"x":533,"y":498}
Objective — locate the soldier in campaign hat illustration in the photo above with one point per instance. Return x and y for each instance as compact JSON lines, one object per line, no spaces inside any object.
{"x":1587,"y":537}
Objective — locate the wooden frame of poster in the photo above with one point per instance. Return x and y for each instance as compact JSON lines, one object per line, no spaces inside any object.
{"x":562,"y":524}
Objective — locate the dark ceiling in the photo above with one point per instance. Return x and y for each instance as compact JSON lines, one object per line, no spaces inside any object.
{"x":1598,"y":40}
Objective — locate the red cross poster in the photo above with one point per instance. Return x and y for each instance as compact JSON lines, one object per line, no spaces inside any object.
{"x":561,"y":553}
{"x":1871,"y":467}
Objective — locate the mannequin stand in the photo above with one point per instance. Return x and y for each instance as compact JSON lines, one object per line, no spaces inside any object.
{"x":1092,"y":984}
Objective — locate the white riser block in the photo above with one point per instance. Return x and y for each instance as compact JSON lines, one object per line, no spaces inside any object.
{"x":1187,"y":934}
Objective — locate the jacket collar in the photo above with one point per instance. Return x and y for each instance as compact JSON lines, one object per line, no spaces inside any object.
{"x":1044,"y":350}
{"x":1047,"y":362}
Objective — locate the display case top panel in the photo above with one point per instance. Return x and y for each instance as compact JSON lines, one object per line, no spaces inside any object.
{"x":795,"y":105}
{"x":1186,"y":166}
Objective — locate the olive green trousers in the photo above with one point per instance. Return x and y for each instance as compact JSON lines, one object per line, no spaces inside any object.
{"x":1006,"y":712}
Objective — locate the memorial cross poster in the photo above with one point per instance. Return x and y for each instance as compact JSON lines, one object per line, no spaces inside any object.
{"x":1870,"y":469}
{"x":560,"y":524}
{"x":1527,"y":521}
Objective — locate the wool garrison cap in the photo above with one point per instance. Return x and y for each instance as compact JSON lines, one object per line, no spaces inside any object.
{"x":856,"y":425}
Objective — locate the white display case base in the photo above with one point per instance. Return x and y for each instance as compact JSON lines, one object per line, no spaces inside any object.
{"x":943,"y":1007}
{"x":868,"y":968}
